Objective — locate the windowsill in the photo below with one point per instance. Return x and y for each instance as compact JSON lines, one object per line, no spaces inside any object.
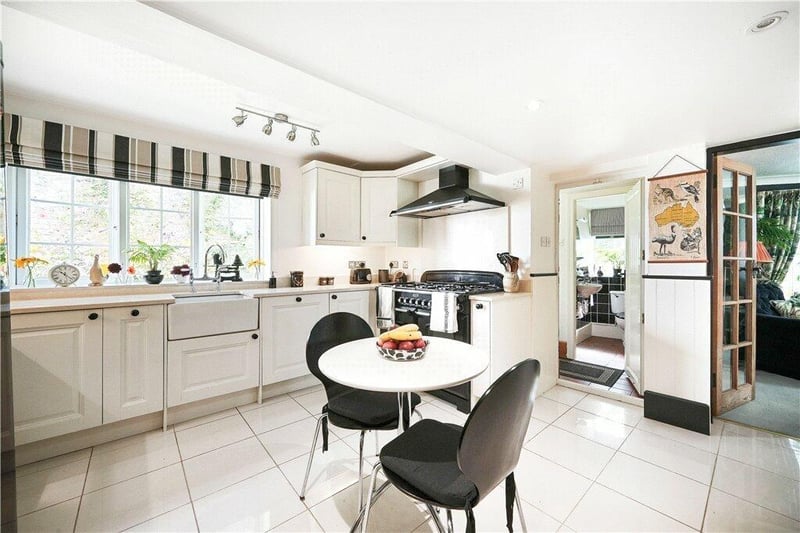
{"x":20,"y":293}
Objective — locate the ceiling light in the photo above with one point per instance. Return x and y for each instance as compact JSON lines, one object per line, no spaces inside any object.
{"x":239,"y":119}
{"x":768,"y":21}
{"x":534,"y":104}
{"x":272,"y":119}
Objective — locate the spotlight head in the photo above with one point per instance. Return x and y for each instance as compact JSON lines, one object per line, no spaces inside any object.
{"x":239,"y":119}
{"x":314,"y":139}
{"x":292,"y":135}
{"x":267,"y":129}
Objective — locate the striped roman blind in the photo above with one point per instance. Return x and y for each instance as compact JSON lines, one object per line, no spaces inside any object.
{"x":608,"y":222}
{"x":52,"y":146}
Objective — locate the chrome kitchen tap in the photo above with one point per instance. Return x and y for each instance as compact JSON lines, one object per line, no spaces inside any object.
{"x":219,"y":260}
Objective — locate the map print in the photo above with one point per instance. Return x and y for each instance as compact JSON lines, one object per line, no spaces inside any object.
{"x":677,"y":212}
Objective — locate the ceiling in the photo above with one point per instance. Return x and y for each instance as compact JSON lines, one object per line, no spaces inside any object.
{"x":390,"y":83}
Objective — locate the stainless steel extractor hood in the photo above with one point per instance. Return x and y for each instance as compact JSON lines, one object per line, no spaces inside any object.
{"x":452,"y":197}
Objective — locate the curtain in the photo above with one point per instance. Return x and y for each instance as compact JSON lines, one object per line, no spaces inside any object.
{"x":608,"y":222}
{"x":48,"y":145}
{"x":785,"y":207}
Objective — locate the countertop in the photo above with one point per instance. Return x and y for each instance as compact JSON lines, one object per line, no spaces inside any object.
{"x":88,"y":302}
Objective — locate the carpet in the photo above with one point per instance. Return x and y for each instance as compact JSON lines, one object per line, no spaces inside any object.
{"x":775,"y":408}
{"x":602,"y":375}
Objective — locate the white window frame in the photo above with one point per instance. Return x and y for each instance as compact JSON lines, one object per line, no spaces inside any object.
{"x":18,"y":209}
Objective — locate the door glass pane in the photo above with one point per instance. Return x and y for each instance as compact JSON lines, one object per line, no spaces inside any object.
{"x":743,"y":184}
{"x":745,"y":275}
{"x":745,"y":316}
{"x":745,"y":362}
{"x":727,"y":276}
{"x":727,"y":324}
{"x":727,"y":188}
{"x":745,"y":244}
{"x":728,"y":236}
{"x":727,"y":365}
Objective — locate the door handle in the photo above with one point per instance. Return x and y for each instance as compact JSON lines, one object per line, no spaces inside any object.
{"x":333,"y":297}
{"x":93,"y":316}
{"x":135,"y":312}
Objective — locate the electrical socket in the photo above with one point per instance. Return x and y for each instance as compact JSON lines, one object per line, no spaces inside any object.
{"x":405,"y":263}
{"x":393,"y":264}
{"x":517,"y":183}
{"x":351,"y":264}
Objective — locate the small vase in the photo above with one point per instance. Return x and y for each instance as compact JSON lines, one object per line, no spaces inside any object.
{"x":154,"y":277}
{"x":510,"y":282}
{"x":96,"y":273}
{"x":180,"y":278}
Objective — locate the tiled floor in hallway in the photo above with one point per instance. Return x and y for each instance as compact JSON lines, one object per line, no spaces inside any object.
{"x":589,"y":464}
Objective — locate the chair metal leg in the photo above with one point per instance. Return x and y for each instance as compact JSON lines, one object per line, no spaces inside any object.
{"x":378,"y":493}
{"x":434,"y":511}
{"x":372,"y":480}
{"x":311,"y":456}
{"x":377,"y":445}
{"x":449,"y":521}
{"x":361,"y":471}
{"x":521,"y":516}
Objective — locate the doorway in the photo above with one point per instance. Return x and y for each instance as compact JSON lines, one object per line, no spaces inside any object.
{"x":599,"y":286}
{"x":755,"y":266}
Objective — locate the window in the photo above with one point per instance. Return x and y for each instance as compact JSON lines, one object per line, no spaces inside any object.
{"x":63,"y":217}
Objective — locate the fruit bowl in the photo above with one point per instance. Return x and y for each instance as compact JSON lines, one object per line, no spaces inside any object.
{"x":402,"y":355}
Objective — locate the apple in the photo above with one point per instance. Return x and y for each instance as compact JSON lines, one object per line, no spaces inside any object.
{"x":406,"y":345}
{"x":390,"y":345}
{"x":380,"y":342}
{"x":419,"y":343}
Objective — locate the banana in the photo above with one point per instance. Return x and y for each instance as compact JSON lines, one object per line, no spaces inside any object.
{"x":408,"y":328}
{"x":405,"y":335}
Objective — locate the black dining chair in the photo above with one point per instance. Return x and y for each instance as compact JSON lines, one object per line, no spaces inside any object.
{"x":445,"y":465}
{"x":348,"y":408}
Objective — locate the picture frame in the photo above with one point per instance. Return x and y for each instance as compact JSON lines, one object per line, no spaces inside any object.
{"x":677,"y":226}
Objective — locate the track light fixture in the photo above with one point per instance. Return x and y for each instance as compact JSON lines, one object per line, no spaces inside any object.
{"x":271,"y":119}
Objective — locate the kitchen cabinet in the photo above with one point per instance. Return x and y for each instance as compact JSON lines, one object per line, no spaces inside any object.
{"x":379,"y":197}
{"x":356,"y":302}
{"x":286,"y":323}
{"x":57,"y":371}
{"x":133,"y":361}
{"x":334,"y":201}
{"x":500,"y":325}
{"x":204,"y":367}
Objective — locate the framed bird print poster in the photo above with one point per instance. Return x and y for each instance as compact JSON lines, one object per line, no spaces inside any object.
{"x":677,"y":207}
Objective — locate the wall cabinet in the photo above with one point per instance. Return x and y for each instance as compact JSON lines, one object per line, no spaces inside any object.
{"x":204,"y":367}
{"x":133,"y":361}
{"x":334,"y":199}
{"x":501,"y":326}
{"x":286,"y":322}
{"x":58,"y":373}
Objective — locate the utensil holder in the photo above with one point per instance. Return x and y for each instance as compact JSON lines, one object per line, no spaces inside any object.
{"x":510,"y":282}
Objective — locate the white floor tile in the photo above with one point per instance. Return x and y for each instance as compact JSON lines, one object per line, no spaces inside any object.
{"x":30,"y":468}
{"x":535,"y":426}
{"x":307,"y":390}
{"x":264,"y":401}
{"x":548,"y":410}
{"x":57,"y":518}
{"x":442,"y":413}
{"x":274,"y":415}
{"x":564,"y":395}
{"x":130,"y":457}
{"x":302,"y":523}
{"x":672,"y":455}
{"x":313,"y":401}
{"x":331,"y":472}
{"x":676,"y":496}
{"x":369,"y":442}
{"x":180,"y":520}
{"x":594,"y":427}
{"x":709,"y":443}
{"x":548,"y":486}
{"x":775,"y":492}
{"x":768,"y":451}
{"x":225,"y":466}
{"x":213,"y":435}
{"x":728,"y":513}
{"x":580,"y":455}
{"x":621,"y":412}
{"x":48,"y":487}
{"x":258,"y":503}
{"x":294,"y":440}
{"x":133,"y":501}
{"x":206,"y":419}
{"x":602,"y":509}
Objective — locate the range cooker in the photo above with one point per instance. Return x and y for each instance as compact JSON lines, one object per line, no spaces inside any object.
{"x":415,"y":303}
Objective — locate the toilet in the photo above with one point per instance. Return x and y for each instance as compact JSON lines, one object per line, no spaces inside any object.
{"x":618,"y":308}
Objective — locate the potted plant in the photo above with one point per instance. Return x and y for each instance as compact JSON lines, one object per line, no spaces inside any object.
{"x":616,"y":258}
{"x":150,"y":255}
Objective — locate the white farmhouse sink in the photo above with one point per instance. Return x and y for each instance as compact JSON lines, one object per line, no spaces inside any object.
{"x":201,"y":315}
{"x":587,"y":289}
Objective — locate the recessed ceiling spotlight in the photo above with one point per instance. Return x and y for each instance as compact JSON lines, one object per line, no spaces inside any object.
{"x":534,"y":105}
{"x":768,"y":21}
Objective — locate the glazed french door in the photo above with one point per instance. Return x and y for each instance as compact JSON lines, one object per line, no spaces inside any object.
{"x":733,"y":367}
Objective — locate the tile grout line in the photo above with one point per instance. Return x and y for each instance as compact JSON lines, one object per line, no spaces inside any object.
{"x":186,"y":481}
{"x":85,"y":478}
{"x":710,"y":486}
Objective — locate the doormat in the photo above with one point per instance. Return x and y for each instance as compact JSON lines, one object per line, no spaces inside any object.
{"x":589,"y":372}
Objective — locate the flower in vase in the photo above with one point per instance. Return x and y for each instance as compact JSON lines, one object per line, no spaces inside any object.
{"x":256,"y":264}
{"x":29,"y":263}
{"x":114,"y":268}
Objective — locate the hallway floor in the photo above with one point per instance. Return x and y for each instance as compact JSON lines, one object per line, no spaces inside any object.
{"x":605,"y":352}
{"x":241,"y":470}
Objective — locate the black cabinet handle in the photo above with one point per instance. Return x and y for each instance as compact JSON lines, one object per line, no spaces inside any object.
{"x":478,"y":306}
{"x":135,"y":312}
{"x":333,"y":296}
{"x":298,"y":299}
{"x":321,"y":235}
{"x":363,"y":237}
{"x":93,"y":316}
{"x":254,"y":336}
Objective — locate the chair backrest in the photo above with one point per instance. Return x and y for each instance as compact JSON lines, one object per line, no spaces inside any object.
{"x":333,"y":330}
{"x":495,"y":430}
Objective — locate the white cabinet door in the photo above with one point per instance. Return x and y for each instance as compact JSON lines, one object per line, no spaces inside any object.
{"x":210,"y":366}
{"x":133,"y":361}
{"x":57,"y":372}
{"x":338,"y":207}
{"x":378,"y":199}
{"x":286,"y":322}
{"x":356,"y":302}
{"x":481,"y":333}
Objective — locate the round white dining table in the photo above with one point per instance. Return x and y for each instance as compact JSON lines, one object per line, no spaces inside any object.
{"x":446,"y":363}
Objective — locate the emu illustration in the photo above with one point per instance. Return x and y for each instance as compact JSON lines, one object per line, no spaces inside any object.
{"x":664,"y":240}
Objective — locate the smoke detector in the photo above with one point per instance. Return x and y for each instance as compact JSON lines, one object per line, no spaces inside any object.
{"x":768,"y":21}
